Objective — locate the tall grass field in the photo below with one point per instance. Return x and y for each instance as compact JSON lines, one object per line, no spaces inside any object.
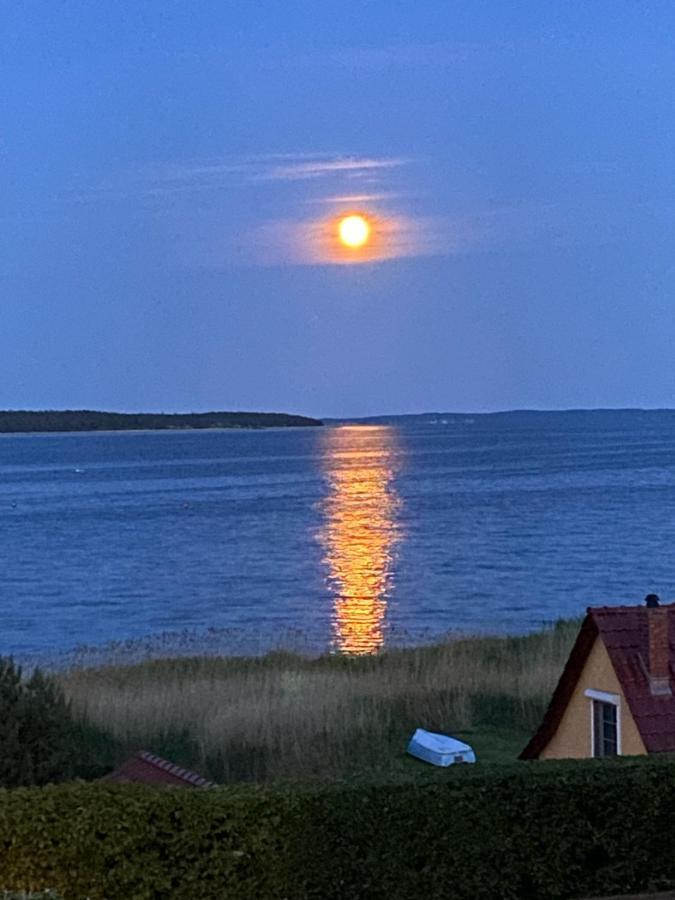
{"x":286,"y":717}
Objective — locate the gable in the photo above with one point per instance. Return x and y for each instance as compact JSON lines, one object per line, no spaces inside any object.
{"x":572,"y":738}
{"x":627,"y":634}
{"x":564,"y":689}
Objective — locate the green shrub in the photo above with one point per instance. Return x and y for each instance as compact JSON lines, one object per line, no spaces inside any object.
{"x":532,"y":830}
{"x":40,"y":741}
{"x":24,"y":895}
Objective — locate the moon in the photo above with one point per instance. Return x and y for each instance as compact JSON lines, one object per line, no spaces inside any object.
{"x":354,"y":231}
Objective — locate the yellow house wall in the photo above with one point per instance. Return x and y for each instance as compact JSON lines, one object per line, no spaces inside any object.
{"x":573,"y":738}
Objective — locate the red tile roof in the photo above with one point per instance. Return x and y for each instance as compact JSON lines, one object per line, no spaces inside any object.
{"x":624,"y":632}
{"x":146,"y":768}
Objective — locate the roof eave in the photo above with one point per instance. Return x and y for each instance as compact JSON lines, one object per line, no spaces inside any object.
{"x":564,"y":689}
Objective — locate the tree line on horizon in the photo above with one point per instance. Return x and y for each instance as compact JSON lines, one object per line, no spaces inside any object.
{"x":91,"y":420}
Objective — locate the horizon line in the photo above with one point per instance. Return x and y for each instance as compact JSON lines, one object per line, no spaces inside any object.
{"x":340,"y":418}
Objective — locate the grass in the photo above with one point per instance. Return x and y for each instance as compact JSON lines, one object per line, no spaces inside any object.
{"x":287,"y":717}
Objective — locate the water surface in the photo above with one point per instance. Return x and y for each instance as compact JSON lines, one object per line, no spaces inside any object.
{"x":347,"y":537}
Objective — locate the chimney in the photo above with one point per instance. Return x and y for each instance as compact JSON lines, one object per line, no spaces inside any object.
{"x":659,"y":650}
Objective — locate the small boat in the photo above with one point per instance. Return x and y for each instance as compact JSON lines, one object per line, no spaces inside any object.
{"x":439,"y":749}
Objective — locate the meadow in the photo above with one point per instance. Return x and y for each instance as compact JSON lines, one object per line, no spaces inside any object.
{"x":284,"y":716}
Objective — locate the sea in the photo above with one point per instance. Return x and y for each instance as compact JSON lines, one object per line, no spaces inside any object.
{"x":348,"y":538}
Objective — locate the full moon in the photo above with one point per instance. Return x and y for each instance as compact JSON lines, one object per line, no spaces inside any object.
{"x":354,"y":231}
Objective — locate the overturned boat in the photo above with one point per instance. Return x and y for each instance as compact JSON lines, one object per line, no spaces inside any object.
{"x":439,"y":749}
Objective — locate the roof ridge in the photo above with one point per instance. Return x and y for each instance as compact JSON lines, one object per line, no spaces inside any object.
{"x":160,"y":763}
{"x":633,"y":607}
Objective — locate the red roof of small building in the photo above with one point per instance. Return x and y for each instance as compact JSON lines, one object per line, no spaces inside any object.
{"x":624,"y":632}
{"x":146,"y":768}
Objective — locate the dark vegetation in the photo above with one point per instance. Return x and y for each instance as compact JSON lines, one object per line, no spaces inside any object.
{"x":526,"y":831}
{"x":90,"y":420}
{"x":40,"y":740}
{"x":344,"y":812}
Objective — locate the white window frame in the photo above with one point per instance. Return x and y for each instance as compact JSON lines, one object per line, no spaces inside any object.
{"x":605,"y":697}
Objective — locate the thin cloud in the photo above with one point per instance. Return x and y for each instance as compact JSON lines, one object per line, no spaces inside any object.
{"x":201,"y":173}
{"x":330,"y":173}
{"x":273,"y":167}
{"x":341,"y":199}
{"x":317,"y":168}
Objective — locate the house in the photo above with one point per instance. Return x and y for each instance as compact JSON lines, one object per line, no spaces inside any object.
{"x":146,"y":768}
{"x":616,"y":695}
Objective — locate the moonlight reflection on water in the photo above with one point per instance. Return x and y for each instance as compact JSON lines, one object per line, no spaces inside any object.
{"x":360,"y":532}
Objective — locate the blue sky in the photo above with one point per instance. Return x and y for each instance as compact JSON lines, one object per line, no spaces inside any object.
{"x":161,"y":164}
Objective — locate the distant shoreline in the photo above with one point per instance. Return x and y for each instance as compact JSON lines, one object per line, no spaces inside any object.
{"x":509,"y":415}
{"x":83,"y":420}
{"x":95,"y":421}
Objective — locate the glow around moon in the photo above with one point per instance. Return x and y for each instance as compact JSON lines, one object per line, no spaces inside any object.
{"x":348,"y":237}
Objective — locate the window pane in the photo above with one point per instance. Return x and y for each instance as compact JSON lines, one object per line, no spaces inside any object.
{"x":605,"y":740}
{"x":597,"y":728}
{"x":609,"y":729}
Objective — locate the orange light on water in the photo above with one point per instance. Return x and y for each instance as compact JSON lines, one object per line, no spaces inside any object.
{"x":360,"y":533}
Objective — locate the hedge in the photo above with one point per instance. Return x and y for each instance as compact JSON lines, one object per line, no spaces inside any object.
{"x":534,"y":830}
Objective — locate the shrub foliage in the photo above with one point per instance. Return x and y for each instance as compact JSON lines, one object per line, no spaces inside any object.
{"x":533,"y":830}
{"x":40,"y":741}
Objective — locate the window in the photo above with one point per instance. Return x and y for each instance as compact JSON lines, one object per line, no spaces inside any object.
{"x":605,"y":723}
{"x":605,"y":732}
